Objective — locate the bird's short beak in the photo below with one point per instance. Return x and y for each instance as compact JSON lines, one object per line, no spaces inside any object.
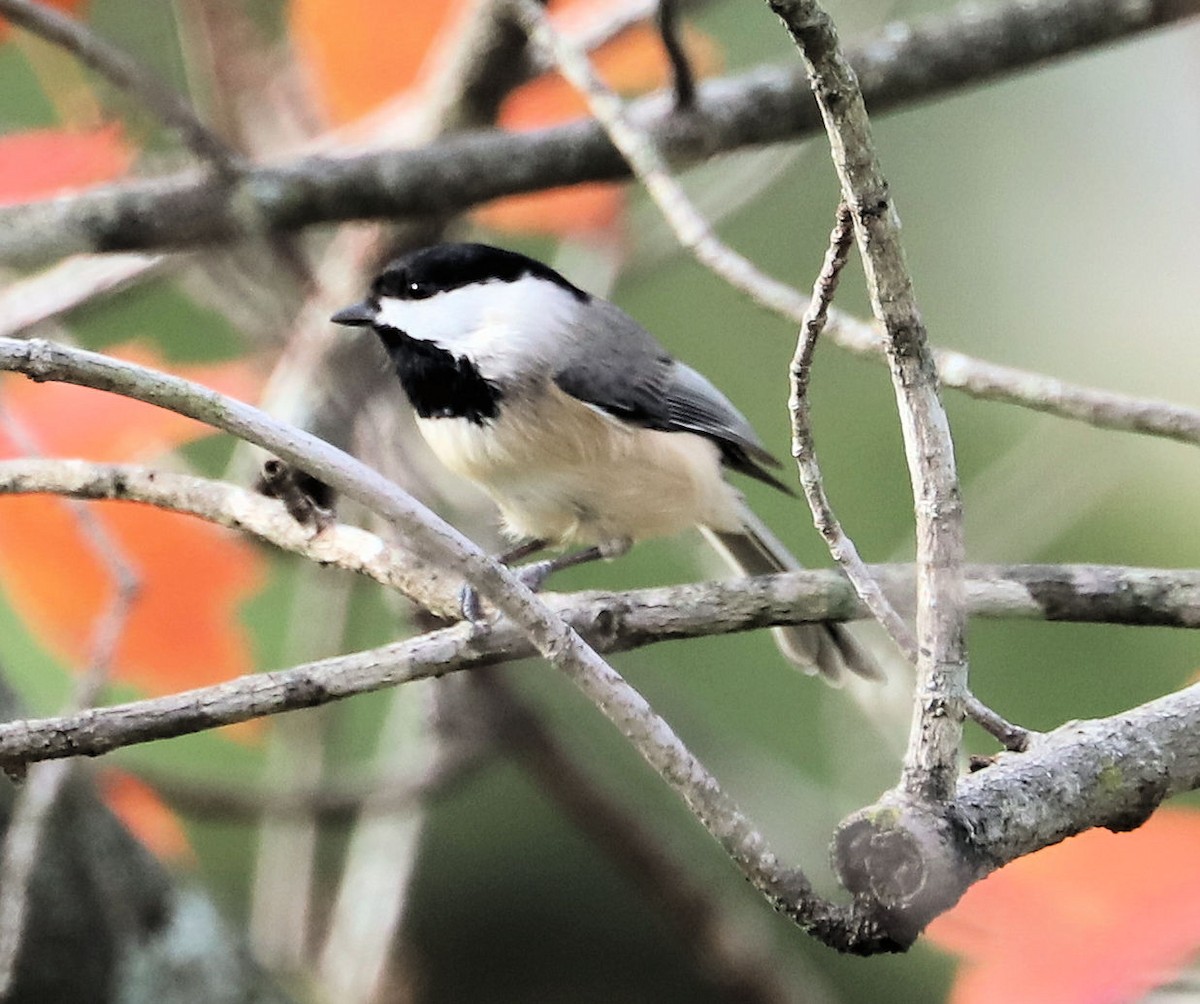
{"x":356,"y":315}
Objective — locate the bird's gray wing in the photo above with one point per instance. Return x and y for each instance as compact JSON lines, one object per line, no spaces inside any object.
{"x":614,"y":364}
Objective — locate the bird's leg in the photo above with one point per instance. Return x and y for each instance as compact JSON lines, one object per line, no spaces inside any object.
{"x":522,"y":550}
{"x":535,"y":574}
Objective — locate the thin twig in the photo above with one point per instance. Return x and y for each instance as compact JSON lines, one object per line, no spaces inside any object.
{"x":608,"y":26}
{"x":683,"y":81}
{"x":120,"y":70}
{"x":69,"y":284}
{"x":840,"y":544}
{"x":1014,"y":738}
{"x":931,"y":763}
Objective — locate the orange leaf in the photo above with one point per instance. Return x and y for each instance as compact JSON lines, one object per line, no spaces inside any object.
{"x":632,"y":63}
{"x":1101,"y":918}
{"x":182,"y":629}
{"x":45,"y":162}
{"x":67,"y":6}
{"x":70,"y":421}
{"x":360,"y":53}
{"x":573,"y":210}
{"x":138,"y":806}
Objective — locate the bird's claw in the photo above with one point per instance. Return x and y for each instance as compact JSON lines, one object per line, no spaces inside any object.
{"x":535,"y":574}
{"x":470,"y":607}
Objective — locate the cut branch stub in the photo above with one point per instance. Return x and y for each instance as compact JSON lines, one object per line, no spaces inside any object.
{"x":903,"y":863}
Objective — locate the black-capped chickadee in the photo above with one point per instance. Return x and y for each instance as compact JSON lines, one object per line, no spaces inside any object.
{"x":575,"y":420}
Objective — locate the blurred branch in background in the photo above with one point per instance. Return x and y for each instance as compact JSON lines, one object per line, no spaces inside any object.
{"x":58,"y":290}
{"x":1037,"y":391}
{"x":903,"y":63}
{"x":34,"y":803}
{"x":715,"y":936}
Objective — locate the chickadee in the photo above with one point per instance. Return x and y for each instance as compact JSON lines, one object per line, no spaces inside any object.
{"x":575,"y":420}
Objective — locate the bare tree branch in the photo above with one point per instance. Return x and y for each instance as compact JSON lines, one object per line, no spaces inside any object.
{"x":234,"y":507}
{"x":612,"y":622}
{"x":931,"y":764}
{"x":840,"y":545}
{"x":1064,"y":784}
{"x":898,"y":65}
{"x":1110,"y":772}
{"x":1083,"y":593}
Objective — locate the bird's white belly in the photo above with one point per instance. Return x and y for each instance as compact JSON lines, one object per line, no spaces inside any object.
{"x":564,"y":472}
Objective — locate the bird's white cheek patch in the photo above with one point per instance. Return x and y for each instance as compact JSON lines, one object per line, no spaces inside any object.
{"x":505,"y":328}
{"x":444,"y":319}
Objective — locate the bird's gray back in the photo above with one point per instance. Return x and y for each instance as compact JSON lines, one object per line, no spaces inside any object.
{"x":613,"y":363}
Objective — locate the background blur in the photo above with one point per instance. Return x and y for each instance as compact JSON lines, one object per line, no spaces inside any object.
{"x":1050,"y":222}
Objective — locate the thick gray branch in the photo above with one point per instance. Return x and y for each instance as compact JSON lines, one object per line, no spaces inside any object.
{"x":613,"y":622}
{"x":1110,"y":772}
{"x":900,"y":64}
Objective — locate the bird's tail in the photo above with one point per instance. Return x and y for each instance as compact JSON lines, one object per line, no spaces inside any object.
{"x":828,"y":649}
